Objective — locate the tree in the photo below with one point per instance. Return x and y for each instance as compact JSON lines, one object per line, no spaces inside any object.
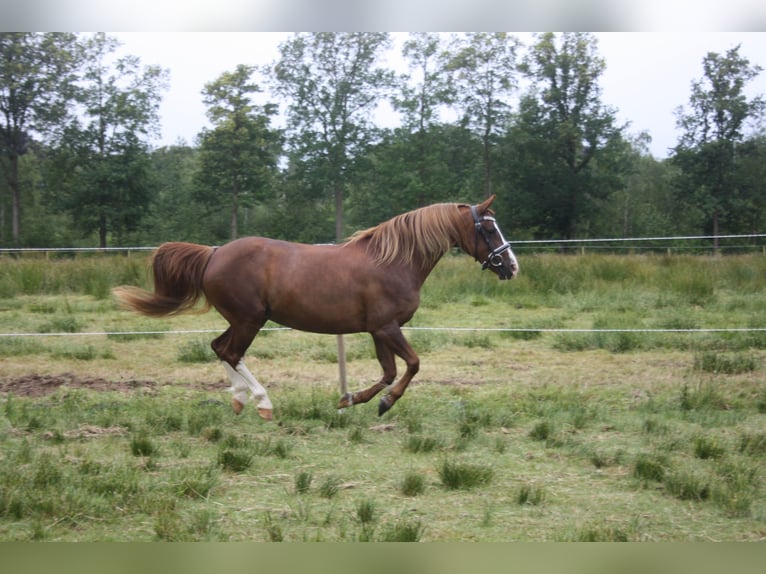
{"x":102,"y":159}
{"x":332,"y":85}
{"x":36,"y":73}
{"x":239,"y":155}
{"x":750,"y":181}
{"x":421,"y":99}
{"x":423,"y":93}
{"x":564,"y":124}
{"x":174,"y":214}
{"x":397,"y":175}
{"x":483,"y":67}
{"x":713,"y":127}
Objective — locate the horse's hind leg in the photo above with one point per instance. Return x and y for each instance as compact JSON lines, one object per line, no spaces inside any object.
{"x":230,"y":348}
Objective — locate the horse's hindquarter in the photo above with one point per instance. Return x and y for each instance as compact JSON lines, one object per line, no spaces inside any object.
{"x":319,"y":288}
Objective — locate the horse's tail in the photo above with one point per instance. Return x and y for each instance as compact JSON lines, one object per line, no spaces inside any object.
{"x":178,"y":269}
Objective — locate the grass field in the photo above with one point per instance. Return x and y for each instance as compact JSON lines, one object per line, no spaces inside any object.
{"x":530,"y":434}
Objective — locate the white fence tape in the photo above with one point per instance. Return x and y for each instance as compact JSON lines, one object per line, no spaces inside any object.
{"x":454,"y":329}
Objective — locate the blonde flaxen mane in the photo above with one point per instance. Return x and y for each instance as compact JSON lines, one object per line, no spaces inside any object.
{"x":424,"y":234}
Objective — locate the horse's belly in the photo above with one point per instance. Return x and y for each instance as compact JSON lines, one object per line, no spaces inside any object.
{"x":343,"y":311}
{"x":316,"y":322}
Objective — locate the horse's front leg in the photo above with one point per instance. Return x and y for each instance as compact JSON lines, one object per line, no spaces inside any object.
{"x":388,"y":363}
{"x":395,"y":342}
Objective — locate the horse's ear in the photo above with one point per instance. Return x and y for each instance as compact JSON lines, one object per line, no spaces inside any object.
{"x":484,"y":206}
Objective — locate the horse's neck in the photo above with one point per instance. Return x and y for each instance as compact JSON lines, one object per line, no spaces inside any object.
{"x":421,"y":270}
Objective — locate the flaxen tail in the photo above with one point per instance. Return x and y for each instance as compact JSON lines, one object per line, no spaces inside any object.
{"x":178,"y":269}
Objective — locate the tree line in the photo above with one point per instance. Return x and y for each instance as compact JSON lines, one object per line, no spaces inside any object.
{"x":77,"y":169}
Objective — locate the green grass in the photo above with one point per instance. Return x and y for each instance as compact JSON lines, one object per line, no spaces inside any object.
{"x":518,"y":435}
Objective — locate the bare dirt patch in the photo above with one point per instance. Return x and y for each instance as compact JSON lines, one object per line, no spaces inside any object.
{"x":41,"y":385}
{"x":34,"y":385}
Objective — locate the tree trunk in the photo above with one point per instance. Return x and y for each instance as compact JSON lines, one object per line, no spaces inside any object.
{"x":13,"y":184}
{"x":716,"y":246}
{"x":487,"y":166}
{"x":102,"y":231}
{"x":234,"y":213}
{"x":338,"y":212}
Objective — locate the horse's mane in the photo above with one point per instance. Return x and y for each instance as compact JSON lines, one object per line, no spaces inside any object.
{"x":426,"y":234}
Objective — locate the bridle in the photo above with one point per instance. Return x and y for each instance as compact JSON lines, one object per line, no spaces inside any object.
{"x":495,"y":256}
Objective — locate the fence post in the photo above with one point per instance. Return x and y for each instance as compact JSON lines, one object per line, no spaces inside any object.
{"x":342,"y":366}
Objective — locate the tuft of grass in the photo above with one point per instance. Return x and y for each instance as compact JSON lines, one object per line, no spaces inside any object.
{"x":413,"y":484}
{"x":725,"y":363}
{"x":82,"y":353}
{"x":195,"y":482}
{"x":456,"y":475}
{"x":366,"y":511}
{"x":649,"y":467}
{"x":303,"y":481}
{"x":64,"y":324}
{"x":704,"y":396}
{"x":421,"y":444}
{"x":19,"y":347}
{"x":601,"y":533}
{"x":760,"y":404}
{"x":356,"y":435}
{"x":404,"y":531}
{"x":542,"y":431}
{"x":737,"y":488}
{"x":196,"y":351}
{"x":530,"y":495}
{"x":330,"y":487}
{"x":273,"y":529}
{"x":688,"y":484}
{"x":753,"y":443}
{"x":235,"y":459}
{"x":708,"y":447}
{"x":142,"y":445}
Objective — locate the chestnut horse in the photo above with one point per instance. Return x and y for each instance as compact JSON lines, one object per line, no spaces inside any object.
{"x":371,"y":283}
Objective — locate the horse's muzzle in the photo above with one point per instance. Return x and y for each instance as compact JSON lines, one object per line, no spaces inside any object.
{"x":505,"y":273}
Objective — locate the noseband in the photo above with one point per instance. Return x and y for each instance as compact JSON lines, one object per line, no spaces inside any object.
{"x":494,"y":258}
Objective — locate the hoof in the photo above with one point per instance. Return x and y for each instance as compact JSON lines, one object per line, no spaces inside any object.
{"x":265,"y":414}
{"x":345,"y":401}
{"x":384,"y":405}
{"x":237,"y":406}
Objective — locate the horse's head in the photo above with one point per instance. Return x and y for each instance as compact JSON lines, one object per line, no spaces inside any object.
{"x":490,"y":248}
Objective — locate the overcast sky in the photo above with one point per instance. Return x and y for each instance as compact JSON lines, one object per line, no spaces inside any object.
{"x":648,"y":74}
